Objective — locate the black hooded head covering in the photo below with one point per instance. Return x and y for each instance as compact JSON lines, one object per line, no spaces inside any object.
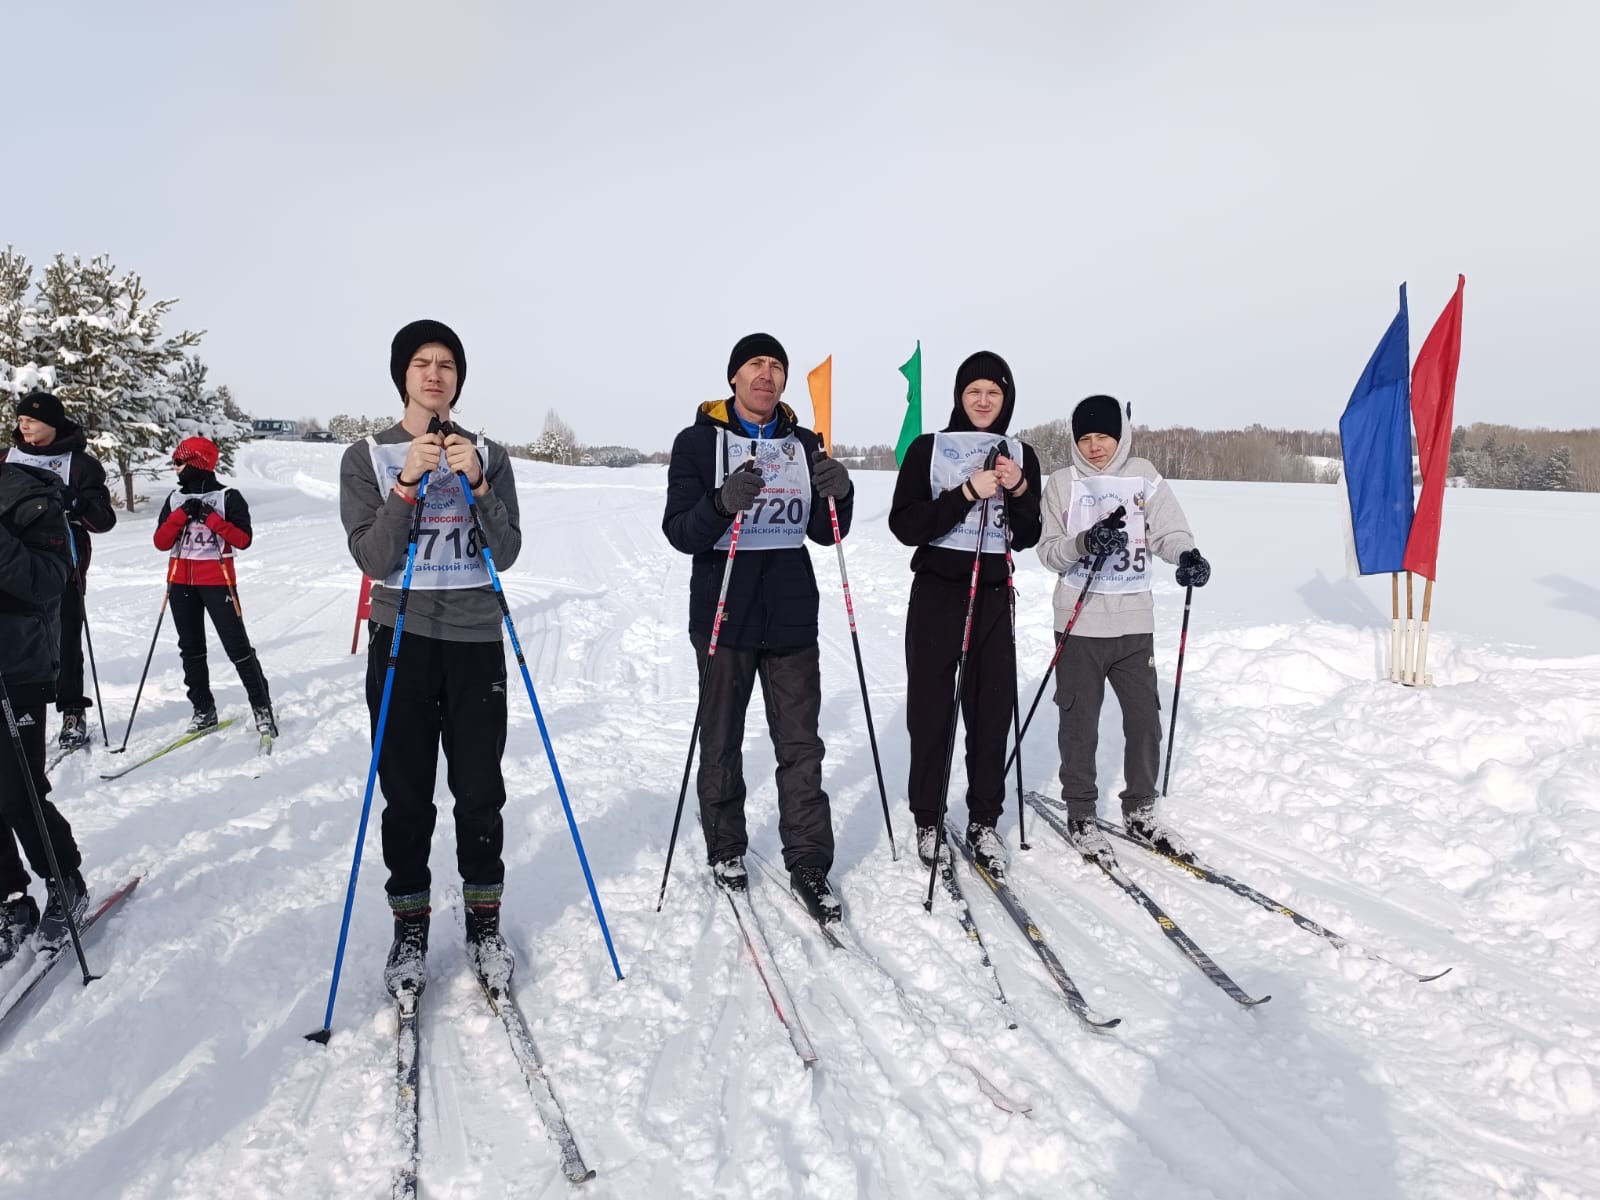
{"x":985,"y":364}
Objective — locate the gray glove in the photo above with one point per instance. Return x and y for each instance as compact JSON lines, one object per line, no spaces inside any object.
{"x":829,"y":477}
{"x":739,"y":490}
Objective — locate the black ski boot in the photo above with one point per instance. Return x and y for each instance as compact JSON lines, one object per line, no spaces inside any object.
{"x":266,"y":723}
{"x":988,"y":851}
{"x":1143,"y":826}
{"x":1089,"y":840}
{"x":19,"y":917}
{"x":54,"y":929}
{"x":74,"y":730}
{"x":491,"y":959}
{"x":204,"y":718}
{"x":729,"y":875}
{"x":406,"y":970}
{"x":812,"y":886}
{"x":927,"y":839}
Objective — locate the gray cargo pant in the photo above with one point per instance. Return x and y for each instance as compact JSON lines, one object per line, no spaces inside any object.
{"x":791,"y":684}
{"x":1129,"y":663}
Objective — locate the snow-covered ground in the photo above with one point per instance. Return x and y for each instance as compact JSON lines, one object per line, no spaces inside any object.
{"x":1455,"y":826}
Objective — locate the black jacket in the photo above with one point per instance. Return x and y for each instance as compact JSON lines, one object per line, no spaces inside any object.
{"x":35,"y":566}
{"x":772,"y":594}
{"x":86,"y":497}
{"x":917,"y":516}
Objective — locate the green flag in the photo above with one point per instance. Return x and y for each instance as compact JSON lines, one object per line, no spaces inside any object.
{"x":911,"y":427}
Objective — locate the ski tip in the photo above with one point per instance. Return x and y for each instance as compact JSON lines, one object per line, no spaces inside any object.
{"x":582,"y":1176}
{"x":1435,"y":975}
{"x":1249,"y":1002}
{"x":320,"y":1037}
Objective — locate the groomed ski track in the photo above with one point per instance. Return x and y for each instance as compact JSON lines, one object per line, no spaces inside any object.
{"x":1455,"y":826}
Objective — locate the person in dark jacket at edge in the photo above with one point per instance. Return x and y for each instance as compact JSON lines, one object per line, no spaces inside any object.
{"x":201,"y":525}
{"x":35,"y":568}
{"x":937,"y":507}
{"x":46,"y":439}
{"x":770,"y":624}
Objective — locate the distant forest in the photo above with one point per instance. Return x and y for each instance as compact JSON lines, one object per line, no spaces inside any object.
{"x":1481,"y":455}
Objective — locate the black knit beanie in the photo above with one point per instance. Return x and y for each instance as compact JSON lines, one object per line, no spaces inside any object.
{"x":985,"y":364}
{"x":42,"y":406}
{"x":417,"y":335}
{"x":755,"y":345}
{"x":1097,"y":414}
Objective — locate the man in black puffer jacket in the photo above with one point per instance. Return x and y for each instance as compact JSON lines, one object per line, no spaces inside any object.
{"x":35,"y":567}
{"x":46,"y":439}
{"x":748,"y":454}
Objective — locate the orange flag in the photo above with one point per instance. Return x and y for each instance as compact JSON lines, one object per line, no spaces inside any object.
{"x":820,"y":381}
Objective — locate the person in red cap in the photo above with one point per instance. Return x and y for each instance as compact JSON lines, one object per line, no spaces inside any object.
{"x":46,"y":439}
{"x":201,"y":525}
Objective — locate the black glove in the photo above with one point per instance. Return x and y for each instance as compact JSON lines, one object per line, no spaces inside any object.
{"x":1106,"y":536}
{"x":196,"y":509}
{"x":1193,"y":570}
{"x":739,"y":490}
{"x":829,"y":477}
{"x":69,"y":497}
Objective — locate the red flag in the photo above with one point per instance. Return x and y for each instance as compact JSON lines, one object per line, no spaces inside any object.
{"x":1433,"y":405}
{"x":363,"y":611}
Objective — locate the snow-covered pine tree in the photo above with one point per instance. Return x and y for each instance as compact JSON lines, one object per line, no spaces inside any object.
{"x":20,"y":372}
{"x":112,"y":360}
{"x":192,"y":408}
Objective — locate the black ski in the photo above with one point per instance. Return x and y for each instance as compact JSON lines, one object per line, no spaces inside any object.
{"x":1211,"y":875}
{"x":503,"y":1002}
{"x":1014,"y":909}
{"x":1186,"y":944}
{"x":952,"y":888}
{"x":408,"y":1057}
{"x":44,"y":960}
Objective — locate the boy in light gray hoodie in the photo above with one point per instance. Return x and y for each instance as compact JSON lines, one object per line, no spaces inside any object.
{"x":1114,"y":637}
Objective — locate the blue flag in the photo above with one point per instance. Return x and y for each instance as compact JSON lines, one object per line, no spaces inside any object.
{"x":1375,"y":435}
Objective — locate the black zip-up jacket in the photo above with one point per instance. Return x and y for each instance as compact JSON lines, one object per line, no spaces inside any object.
{"x":772,"y":594}
{"x":35,"y":566}
{"x":917,"y":516}
{"x":89,"y":500}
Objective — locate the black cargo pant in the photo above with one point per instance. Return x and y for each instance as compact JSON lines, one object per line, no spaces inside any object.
{"x":934,"y":621}
{"x":16,"y":810}
{"x":449,"y":694}
{"x":190,"y":604}
{"x":1086,"y":664}
{"x":791,"y":685}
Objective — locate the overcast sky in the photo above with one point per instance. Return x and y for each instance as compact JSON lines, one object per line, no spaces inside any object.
{"x":1204,"y":208}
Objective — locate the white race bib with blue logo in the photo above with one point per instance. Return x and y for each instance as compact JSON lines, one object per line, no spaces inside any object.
{"x":777,"y":518}
{"x":1128,"y":570}
{"x":956,"y":457}
{"x":447,"y":544}
{"x":61,"y":463}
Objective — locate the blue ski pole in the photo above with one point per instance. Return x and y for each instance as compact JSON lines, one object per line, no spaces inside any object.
{"x":322,"y":1035}
{"x":544,"y":732}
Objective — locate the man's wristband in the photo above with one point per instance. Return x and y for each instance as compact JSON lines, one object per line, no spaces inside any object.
{"x":406,"y":482}
{"x":411,"y":500}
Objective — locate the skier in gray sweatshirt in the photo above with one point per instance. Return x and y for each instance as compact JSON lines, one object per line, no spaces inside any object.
{"x":1114,"y":637}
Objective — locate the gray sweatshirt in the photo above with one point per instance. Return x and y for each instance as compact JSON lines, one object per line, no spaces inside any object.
{"x":1166,"y":531}
{"x":378,"y":526}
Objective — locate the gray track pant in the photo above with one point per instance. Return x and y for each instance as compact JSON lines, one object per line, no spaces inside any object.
{"x":1081,"y":674}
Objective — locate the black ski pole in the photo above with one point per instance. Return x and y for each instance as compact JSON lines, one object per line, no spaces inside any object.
{"x":1016,"y":697}
{"x":961,"y":671}
{"x":861,"y":674}
{"x":322,"y":1035}
{"x":160,"y":616}
{"x":1177,"y":683}
{"x":700,"y":703}
{"x":26,"y":769}
{"x":82,"y":589}
{"x":1061,"y":641}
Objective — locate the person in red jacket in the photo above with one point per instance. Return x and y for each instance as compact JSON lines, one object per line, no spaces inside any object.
{"x":202,"y":524}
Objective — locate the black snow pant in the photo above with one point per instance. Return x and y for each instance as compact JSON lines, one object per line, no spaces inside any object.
{"x":934,"y":621}
{"x":449,"y":694}
{"x":791,"y":685}
{"x":16,"y":810}
{"x":190,"y":605}
{"x":69,"y":683}
{"x":1086,"y":664}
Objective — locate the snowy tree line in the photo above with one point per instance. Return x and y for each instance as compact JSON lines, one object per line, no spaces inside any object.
{"x":94,"y":337}
{"x":1543,"y":460}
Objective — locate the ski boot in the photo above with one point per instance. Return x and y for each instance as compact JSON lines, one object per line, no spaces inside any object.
{"x":74,"y":730}
{"x":988,"y":851}
{"x":54,"y":929}
{"x":816,"y":893}
{"x":203,"y":719}
{"x":491,"y":959}
{"x":1087,"y":838}
{"x":729,"y":874}
{"x":927,"y":839}
{"x":19,"y":917}
{"x":1144,"y":827}
{"x":406,"y":970}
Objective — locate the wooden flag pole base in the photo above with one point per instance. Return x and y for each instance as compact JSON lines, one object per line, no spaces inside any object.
{"x":1395,"y":641}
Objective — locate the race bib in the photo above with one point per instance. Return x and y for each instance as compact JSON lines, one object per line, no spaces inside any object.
{"x":1128,"y":570}
{"x":955,"y":457}
{"x":777,"y":518}
{"x":61,"y":463}
{"x":198,"y":541}
{"x":447,"y":543}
